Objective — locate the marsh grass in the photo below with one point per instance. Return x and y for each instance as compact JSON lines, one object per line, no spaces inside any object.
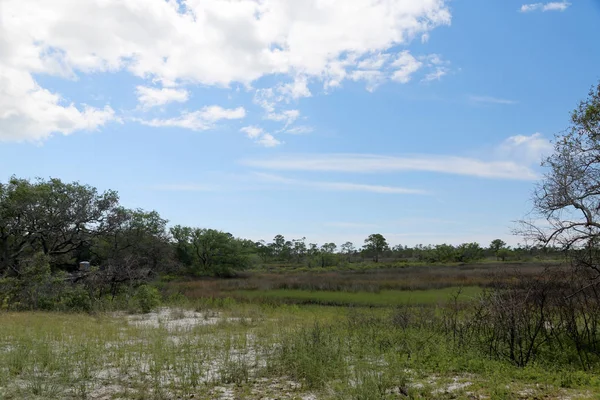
{"x":254,"y":349}
{"x":408,"y":278}
{"x":384,"y":298}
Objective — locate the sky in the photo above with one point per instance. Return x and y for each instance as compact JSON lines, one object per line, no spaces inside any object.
{"x":424,"y":121}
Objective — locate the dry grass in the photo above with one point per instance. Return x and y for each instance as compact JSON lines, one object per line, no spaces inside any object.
{"x":374,"y":281}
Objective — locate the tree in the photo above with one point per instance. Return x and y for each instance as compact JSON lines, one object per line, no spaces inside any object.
{"x":52,"y":217}
{"x":568,"y":197}
{"x":212,"y":251}
{"x":376,"y":244}
{"x":467,"y":252}
{"x":495,"y":246}
{"x":327,"y":254}
{"x":348,"y":249}
{"x":299,"y":249}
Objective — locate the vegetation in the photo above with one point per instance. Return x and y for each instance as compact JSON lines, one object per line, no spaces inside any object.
{"x":294,"y":320}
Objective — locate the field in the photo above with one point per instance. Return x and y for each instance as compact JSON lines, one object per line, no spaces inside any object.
{"x":368,"y":339}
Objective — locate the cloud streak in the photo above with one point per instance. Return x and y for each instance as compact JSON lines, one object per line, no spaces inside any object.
{"x":338,"y":186}
{"x":368,"y":163}
{"x":552,"y":6}
{"x":200,"y":120}
{"x":490,"y":100}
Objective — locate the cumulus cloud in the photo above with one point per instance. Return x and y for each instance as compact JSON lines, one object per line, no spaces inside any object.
{"x":406,"y":65}
{"x":29,"y":112}
{"x":151,"y":97}
{"x":552,"y":6}
{"x":287,"y":116}
{"x":525,"y":149}
{"x":260,"y":136}
{"x":207,"y":42}
{"x":268,"y":140}
{"x":200,"y":120}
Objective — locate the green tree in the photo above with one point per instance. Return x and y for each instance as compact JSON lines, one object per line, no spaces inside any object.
{"x":376,"y":244}
{"x":467,"y":252}
{"x":496,"y":245}
{"x":50,"y":216}
{"x":328,"y":257}
{"x":212,"y":251}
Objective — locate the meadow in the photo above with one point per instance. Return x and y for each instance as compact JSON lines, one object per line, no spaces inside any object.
{"x":242,"y":341}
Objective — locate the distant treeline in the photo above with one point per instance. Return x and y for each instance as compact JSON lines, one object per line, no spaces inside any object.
{"x":48,"y":227}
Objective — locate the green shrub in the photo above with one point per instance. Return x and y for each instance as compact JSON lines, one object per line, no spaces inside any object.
{"x":77,"y":299}
{"x":148,"y":298}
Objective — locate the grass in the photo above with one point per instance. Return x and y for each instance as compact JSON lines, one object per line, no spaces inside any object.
{"x":269,"y":336}
{"x":381,"y":299}
{"x":254,"y":351}
{"x":412,"y":278}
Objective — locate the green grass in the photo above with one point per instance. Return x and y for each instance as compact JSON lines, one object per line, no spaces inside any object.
{"x":382,"y":298}
{"x":256,"y":350}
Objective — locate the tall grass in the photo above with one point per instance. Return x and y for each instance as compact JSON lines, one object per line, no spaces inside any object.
{"x":255,"y":350}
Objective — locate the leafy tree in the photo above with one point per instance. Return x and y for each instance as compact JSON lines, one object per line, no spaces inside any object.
{"x":496,"y":245}
{"x":503,"y":253}
{"x":467,"y":252}
{"x":299,"y":249}
{"x":347,"y":248}
{"x":444,"y":253}
{"x":212,"y":251}
{"x":327,"y":254}
{"x":376,"y":244}
{"x":52,"y":217}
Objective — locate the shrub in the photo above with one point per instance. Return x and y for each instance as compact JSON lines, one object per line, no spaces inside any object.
{"x":148,"y":298}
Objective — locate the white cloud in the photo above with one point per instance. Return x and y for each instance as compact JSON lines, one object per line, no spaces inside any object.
{"x":435,"y":75}
{"x":525,"y":149}
{"x":552,"y":6}
{"x":200,"y":120}
{"x":207,"y":42}
{"x":253,"y":132}
{"x":268,"y":140}
{"x":406,"y":65}
{"x":299,"y":130}
{"x":295,"y":90}
{"x":29,"y":112}
{"x":339,"y":186}
{"x":556,"y":6}
{"x":490,"y":100}
{"x":511,"y":159}
{"x":260,"y":136}
{"x":373,"y":78}
{"x":287,"y":116}
{"x":366,"y":163}
{"x":151,"y":97}
{"x":374,"y":62}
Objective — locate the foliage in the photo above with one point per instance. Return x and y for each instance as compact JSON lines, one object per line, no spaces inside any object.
{"x":212,"y":252}
{"x":375,"y":244}
{"x":148,"y":298}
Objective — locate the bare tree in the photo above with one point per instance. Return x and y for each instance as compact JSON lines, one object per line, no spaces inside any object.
{"x":568,"y":198}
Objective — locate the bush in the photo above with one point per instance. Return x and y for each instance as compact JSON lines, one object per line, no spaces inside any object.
{"x":148,"y":298}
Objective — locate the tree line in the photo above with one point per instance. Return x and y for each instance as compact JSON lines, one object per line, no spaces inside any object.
{"x":69,"y":223}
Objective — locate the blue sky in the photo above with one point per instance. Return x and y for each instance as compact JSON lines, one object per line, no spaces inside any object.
{"x":331,"y":120}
